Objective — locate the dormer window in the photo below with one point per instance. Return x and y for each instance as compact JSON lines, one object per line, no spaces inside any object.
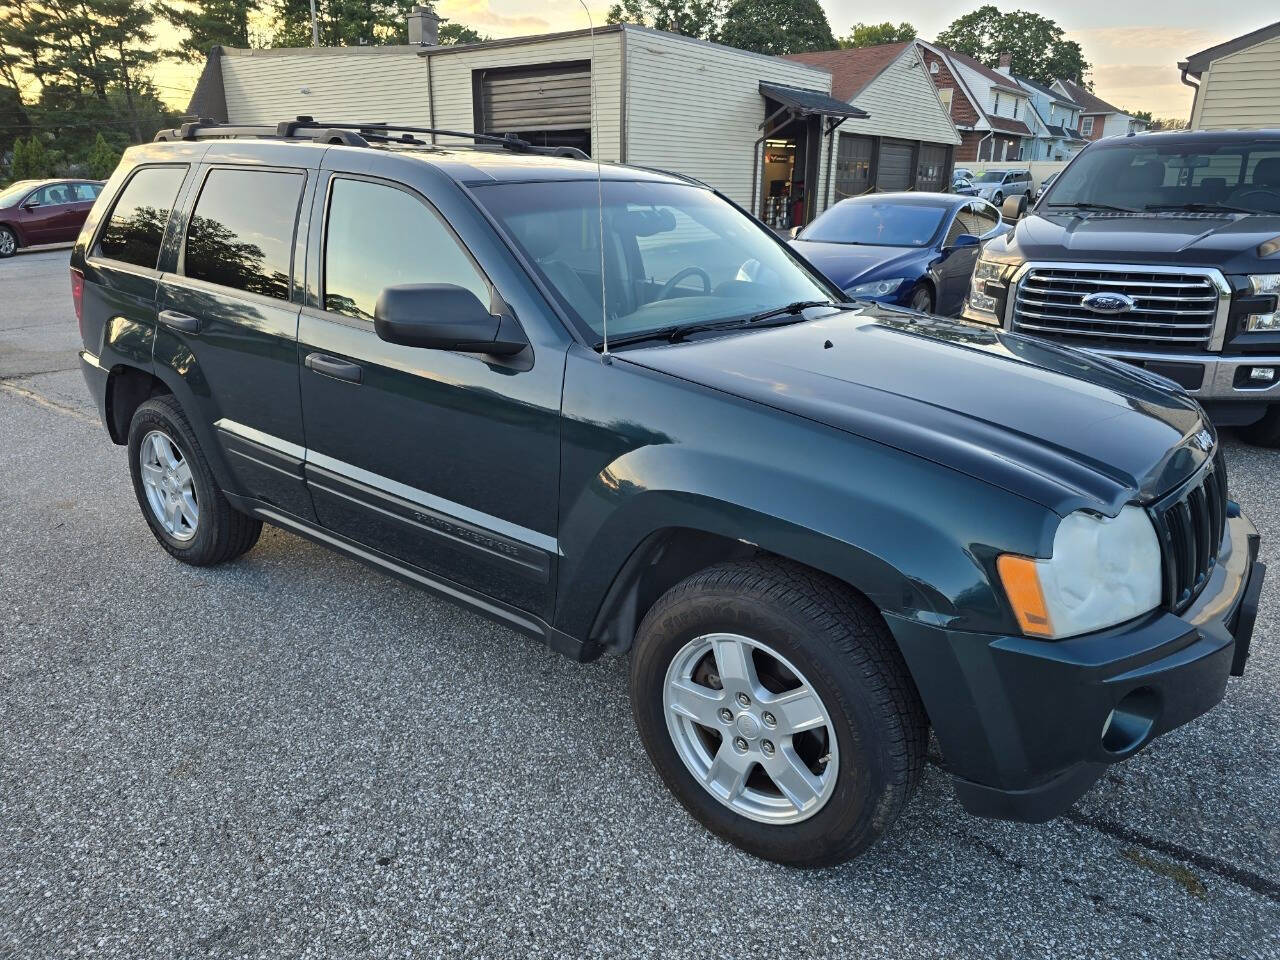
{"x":933,"y":67}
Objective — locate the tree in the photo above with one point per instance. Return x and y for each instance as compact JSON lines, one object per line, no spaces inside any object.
{"x":452,"y":33}
{"x":342,"y":23}
{"x":1039,"y":49}
{"x":777,"y":27}
{"x":1162,"y":123}
{"x":31,"y":161}
{"x":692,"y":18}
{"x":102,"y":158}
{"x":209,"y":23}
{"x":874,"y":34}
{"x":14,"y":122}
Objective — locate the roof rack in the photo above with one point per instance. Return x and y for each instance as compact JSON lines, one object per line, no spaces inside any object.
{"x":352,"y":135}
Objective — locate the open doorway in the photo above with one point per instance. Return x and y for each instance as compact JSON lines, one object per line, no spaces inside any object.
{"x":788,"y":197}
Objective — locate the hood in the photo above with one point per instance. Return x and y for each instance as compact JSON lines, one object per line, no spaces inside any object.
{"x":1227,"y":241}
{"x":846,"y":264}
{"x":1051,"y":424}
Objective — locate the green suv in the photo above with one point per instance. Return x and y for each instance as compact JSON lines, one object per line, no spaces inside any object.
{"x":609,"y":409}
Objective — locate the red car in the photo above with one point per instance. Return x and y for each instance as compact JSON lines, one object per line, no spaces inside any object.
{"x":44,"y":211}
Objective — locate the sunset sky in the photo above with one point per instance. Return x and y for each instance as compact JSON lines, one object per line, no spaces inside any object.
{"x":1134,"y":45}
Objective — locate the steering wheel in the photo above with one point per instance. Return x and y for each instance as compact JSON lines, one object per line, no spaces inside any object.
{"x":669,"y":287}
{"x":1273,"y":195}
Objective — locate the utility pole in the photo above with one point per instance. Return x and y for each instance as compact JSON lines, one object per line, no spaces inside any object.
{"x":315,"y":26}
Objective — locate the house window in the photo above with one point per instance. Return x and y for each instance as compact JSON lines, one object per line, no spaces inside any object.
{"x":933,"y":67}
{"x":1087,"y":129}
{"x":1016,"y":105}
{"x":995,"y":104}
{"x":944,"y":94}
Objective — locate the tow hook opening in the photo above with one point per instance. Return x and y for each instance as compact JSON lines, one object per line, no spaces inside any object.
{"x":1130,"y":723}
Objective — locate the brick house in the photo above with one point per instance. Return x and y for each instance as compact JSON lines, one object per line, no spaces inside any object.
{"x":988,"y":106}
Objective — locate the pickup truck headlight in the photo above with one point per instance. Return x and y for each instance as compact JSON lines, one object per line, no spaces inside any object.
{"x":980,"y":302}
{"x":1264,"y":284}
{"x":876,"y":288}
{"x":1103,"y":571}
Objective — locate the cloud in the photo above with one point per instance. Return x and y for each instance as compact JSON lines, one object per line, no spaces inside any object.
{"x":508,"y":17}
{"x":1184,"y":40}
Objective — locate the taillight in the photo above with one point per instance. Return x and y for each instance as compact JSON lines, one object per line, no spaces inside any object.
{"x":77,"y":297}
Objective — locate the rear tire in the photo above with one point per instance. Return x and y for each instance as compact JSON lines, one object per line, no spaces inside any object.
{"x":800,"y":627}
{"x":1265,"y":432}
{"x":8,"y":243}
{"x":180,"y":499}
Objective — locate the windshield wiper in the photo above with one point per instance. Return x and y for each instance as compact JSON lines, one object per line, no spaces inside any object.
{"x":1197,"y":207}
{"x":677,"y":332}
{"x":1092,"y":206}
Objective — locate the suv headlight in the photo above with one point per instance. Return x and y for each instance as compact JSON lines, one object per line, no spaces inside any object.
{"x":876,"y":288}
{"x":1264,"y":284}
{"x":1103,"y":571}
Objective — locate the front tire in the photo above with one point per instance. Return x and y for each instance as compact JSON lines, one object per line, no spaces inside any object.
{"x":8,"y":242}
{"x":177,"y":492}
{"x":922,"y":299}
{"x":777,"y":708}
{"x":1264,"y":432}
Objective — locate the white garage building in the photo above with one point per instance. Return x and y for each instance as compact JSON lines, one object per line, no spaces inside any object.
{"x":627,"y":94}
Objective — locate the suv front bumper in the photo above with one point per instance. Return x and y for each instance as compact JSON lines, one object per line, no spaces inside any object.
{"x":1210,"y":376}
{"x":1027,"y":726}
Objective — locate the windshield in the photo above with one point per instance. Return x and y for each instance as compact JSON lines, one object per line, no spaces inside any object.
{"x":15,"y":192}
{"x":674,"y":254}
{"x":882,"y":223}
{"x":992,"y":176}
{"x":1240,"y":174}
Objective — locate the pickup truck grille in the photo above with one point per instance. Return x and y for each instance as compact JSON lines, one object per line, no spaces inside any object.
{"x":1190,"y":524}
{"x":1169,"y":310}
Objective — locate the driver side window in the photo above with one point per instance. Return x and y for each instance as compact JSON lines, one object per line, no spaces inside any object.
{"x":379,"y":236}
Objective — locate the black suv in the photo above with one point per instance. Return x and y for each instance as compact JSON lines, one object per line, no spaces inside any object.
{"x":818,"y":527}
{"x":1161,"y":250}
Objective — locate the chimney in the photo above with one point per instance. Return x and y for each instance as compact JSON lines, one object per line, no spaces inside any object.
{"x":1006,"y":63}
{"x":424,"y":27}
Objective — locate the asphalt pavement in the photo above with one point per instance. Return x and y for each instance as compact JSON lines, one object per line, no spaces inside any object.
{"x":295,"y":756}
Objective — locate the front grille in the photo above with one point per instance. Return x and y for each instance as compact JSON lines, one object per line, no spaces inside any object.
{"x":1190,"y":523}
{"x":1170,"y":310}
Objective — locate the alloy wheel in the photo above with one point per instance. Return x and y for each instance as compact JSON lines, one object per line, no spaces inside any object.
{"x":750,"y":728}
{"x":171,"y":492}
{"x":8,"y":243}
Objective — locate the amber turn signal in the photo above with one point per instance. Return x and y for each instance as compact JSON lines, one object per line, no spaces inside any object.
{"x":1022,"y":586}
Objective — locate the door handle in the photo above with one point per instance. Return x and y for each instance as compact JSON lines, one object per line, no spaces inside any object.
{"x":333,"y":367}
{"x":180,"y":321}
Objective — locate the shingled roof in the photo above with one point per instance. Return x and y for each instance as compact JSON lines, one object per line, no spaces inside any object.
{"x":851,"y":70}
{"x":1087,"y":100}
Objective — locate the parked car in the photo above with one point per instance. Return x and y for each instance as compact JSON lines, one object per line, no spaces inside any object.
{"x":914,"y":249}
{"x":44,"y":211}
{"x":1045,"y":184}
{"x":817,"y":526}
{"x":963,"y":172}
{"x":998,"y":185}
{"x":963,"y":185}
{"x":1160,"y":250}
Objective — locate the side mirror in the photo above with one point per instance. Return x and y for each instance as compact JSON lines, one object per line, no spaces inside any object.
{"x":793,"y":232}
{"x":964,"y":240}
{"x":442,"y":316}
{"x":31,"y":205}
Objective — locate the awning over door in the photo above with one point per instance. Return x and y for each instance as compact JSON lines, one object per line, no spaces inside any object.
{"x":811,"y":102}
{"x":525,"y":99}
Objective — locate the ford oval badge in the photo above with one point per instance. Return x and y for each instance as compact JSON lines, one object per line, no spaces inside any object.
{"x":1108,"y":302}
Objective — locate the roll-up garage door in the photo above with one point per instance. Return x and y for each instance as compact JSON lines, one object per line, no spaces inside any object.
{"x":894,"y":170}
{"x":544,"y":98}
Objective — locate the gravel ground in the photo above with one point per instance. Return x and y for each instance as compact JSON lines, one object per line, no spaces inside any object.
{"x":295,"y":756}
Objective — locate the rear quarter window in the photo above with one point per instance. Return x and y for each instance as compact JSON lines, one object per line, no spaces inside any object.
{"x":136,"y":226}
{"x":241,"y":231}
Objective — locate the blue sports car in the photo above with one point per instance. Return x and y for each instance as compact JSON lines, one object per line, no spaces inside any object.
{"x":912,"y":249}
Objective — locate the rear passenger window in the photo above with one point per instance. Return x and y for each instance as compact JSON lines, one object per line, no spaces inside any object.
{"x":136,"y":227}
{"x":241,"y":231}
{"x":378,"y":236}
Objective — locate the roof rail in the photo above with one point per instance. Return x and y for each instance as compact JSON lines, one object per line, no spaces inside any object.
{"x":351,"y":135}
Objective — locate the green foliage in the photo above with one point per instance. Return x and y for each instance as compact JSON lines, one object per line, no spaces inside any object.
{"x":874,"y":34}
{"x":209,"y":23}
{"x":453,"y":33}
{"x":692,"y":18}
{"x":14,"y":122}
{"x":31,"y":161}
{"x":777,"y":27}
{"x":102,"y":158}
{"x":342,"y":23}
{"x":1040,"y":51}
